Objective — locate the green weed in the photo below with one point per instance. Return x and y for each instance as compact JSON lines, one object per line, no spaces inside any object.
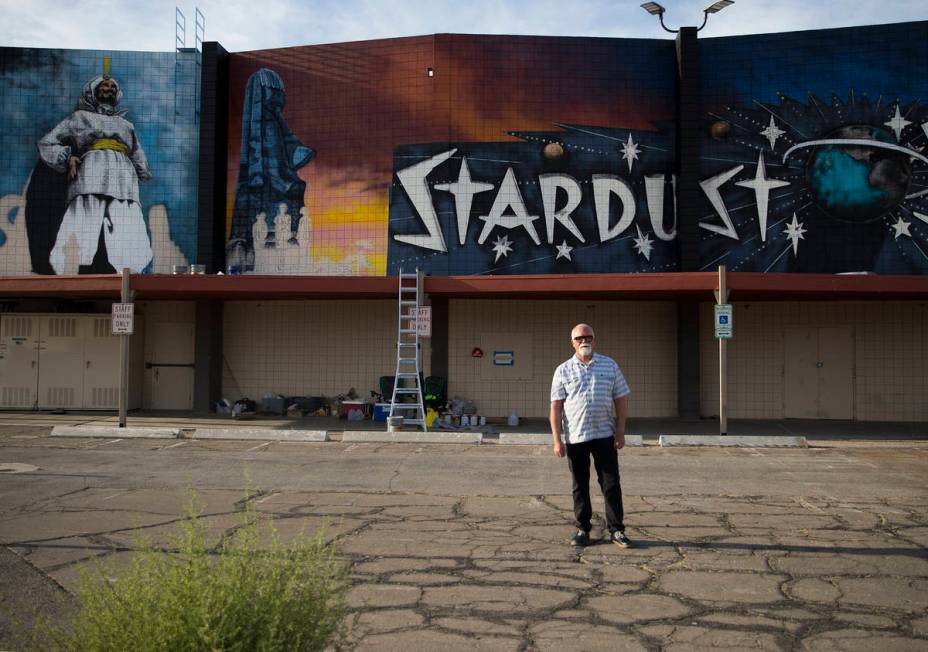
{"x":250,"y":592}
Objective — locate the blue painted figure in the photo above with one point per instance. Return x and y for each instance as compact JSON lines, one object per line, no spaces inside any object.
{"x":269,"y":160}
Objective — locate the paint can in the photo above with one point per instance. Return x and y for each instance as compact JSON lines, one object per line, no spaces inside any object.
{"x":394,"y":424}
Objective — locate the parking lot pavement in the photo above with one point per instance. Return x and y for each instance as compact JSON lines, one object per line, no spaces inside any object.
{"x":465,"y":547}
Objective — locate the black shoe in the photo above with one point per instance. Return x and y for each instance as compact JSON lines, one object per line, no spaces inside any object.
{"x":581,"y":538}
{"x":619,"y":539}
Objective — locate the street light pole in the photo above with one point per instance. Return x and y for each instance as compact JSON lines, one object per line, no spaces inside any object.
{"x":656,"y":9}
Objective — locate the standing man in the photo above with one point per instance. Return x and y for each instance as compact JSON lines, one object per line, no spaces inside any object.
{"x":588,"y":405}
{"x":100,"y":152}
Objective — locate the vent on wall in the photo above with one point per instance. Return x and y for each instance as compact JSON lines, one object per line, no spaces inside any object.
{"x":62,"y":327}
{"x":60,"y":397}
{"x":104,"y":397}
{"x":16,"y":397}
{"x":101,"y":328}
{"x":17,"y":327}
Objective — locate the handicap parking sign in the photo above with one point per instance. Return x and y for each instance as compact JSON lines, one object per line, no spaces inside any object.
{"x":723,"y":323}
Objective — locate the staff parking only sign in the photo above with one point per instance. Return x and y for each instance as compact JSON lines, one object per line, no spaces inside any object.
{"x":123,"y":314}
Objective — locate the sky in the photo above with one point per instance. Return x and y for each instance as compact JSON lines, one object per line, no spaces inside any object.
{"x":239,"y":26}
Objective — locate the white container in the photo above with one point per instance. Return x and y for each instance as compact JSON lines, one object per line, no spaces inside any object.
{"x":465,"y":421}
{"x":513,"y":419}
{"x":483,"y":421}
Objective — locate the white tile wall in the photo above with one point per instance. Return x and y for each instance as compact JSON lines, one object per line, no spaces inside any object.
{"x":309,"y":348}
{"x":640,"y":336}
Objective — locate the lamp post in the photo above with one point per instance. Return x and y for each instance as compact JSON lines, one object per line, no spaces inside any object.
{"x":655,"y":9}
{"x":689,"y":195}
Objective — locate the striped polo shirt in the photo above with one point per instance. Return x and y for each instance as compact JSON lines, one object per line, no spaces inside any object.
{"x":589,"y":392}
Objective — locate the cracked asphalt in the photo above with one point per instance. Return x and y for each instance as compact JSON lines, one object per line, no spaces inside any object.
{"x":465,"y":547}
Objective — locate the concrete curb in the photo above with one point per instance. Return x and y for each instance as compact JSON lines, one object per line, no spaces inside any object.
{"x":544,"y":439}
{"x":412,"y":437}
{"x":138,"y":432}
{"x":258,"y":434}
{"x":740,"y":441}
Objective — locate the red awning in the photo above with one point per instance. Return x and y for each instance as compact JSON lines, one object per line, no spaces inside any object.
{"x":697,"y":286}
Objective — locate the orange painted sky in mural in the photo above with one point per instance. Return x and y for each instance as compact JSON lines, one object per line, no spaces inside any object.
{"x":353,"y":103}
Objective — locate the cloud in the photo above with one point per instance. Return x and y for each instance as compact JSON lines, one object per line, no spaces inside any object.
{"x":122,"y":25}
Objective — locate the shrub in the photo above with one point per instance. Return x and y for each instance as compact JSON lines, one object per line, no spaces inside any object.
{"x":239,"y":595}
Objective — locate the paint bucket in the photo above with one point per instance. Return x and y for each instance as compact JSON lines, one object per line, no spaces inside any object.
{"x":394,"y":424}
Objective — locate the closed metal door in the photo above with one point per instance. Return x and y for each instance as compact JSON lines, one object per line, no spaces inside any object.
{"x":19,"y":361}
{"x":171,"y":366}
{"x":101,"y":364}
{"x":61,"y":362}
{"x":819,"y":372}
{"x":801,"y":373}
{"x":836,"y":373}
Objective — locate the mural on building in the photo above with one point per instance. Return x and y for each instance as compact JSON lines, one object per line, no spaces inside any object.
{"x":269,"y":198}
{"x":70,"y":197}
{"x":580,"y":199}
{"x":99,"y":153}
{"x":829,"y":184}
{"x":458,"y":154}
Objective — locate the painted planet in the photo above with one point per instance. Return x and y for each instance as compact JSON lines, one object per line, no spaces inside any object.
{"x":553,"y":151}
{"x":720,"y":130}
{"x":858,"y":183}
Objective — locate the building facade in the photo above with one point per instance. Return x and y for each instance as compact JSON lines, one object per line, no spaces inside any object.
{"x":537,"y":182}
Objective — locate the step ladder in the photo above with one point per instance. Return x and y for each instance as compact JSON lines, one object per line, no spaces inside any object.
{"x":408,"y":381}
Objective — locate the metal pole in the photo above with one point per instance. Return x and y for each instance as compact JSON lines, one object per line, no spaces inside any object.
{"x":723,"y":361}
{"x":124,"y":357}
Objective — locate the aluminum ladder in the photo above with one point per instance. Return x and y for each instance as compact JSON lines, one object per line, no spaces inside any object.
{"x":408,"y":381}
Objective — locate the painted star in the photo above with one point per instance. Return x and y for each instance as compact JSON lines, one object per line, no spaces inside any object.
{"x":643,"y":244}
{"x":794,"y":233}
{"x":563,"y":251}
{"x":502,"y":246}
{"x":463,"y":190}
{"x":761,"y":184}
{"x":897,"y":123}
{"x":901,"y":227}
{"x":630,"y":151}
{"x":772,"y":132}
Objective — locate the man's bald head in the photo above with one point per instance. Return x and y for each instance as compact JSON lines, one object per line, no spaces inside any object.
{"x":581,"y":338}
{"x":581,"y":329}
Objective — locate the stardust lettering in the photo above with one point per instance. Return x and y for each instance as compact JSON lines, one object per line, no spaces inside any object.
{"x":509,"y":210}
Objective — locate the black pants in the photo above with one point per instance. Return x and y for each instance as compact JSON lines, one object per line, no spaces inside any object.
{"x":607,"y":472}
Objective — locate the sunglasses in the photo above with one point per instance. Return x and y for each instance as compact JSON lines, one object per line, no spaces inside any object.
{"x":583,"y":338}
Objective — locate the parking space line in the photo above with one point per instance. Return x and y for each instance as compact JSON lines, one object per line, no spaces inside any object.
{"x":105,"y":443}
